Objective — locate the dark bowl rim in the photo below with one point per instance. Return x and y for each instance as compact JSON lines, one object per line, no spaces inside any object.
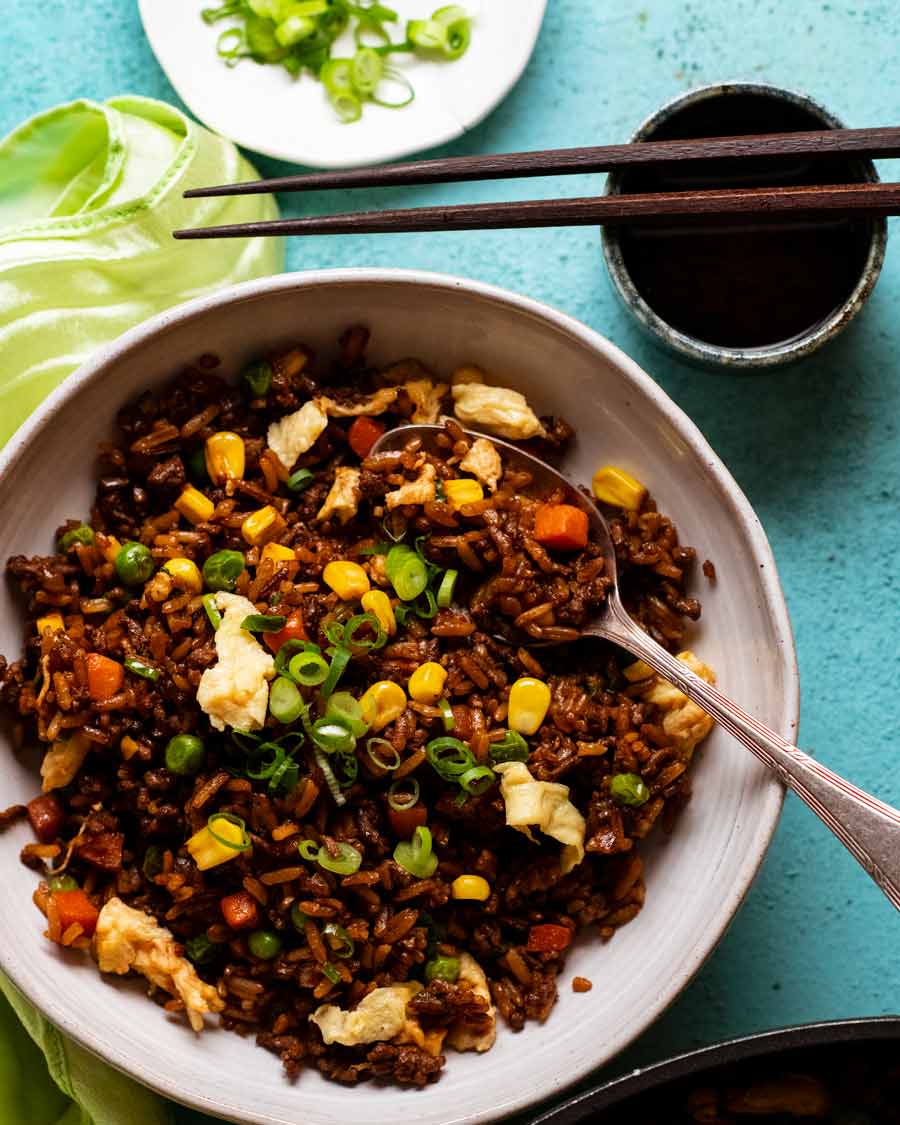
{"x":863,"y":1029}
{"x":718,"y":356}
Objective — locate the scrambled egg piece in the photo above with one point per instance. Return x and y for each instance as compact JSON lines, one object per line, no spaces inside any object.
{"x":375,"y":403}
{"x":344,"y":496}
{"x":235,"y":692}
{"x":684,"y":722}
{"x":545,"y":805}
{"x":376,"y":1018}
{"x":296,"y":433}
{"x":127,"y":939}
{"x":426,"y":399}
{"x":62,"y":761}
{"x":418,"y":491}
{"x":483,"y":461}
{"x":501,"y":410}
{"x":463,"y":1038}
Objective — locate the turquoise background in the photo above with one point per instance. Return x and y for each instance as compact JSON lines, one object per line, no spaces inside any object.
{"x":815,"y":448}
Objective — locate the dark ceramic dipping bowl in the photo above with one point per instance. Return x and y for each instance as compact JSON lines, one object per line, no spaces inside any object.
{"x":839,"y":1073}
{"x":744,"y":295}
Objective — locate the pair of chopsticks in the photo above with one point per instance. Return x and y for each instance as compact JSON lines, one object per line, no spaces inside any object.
{"x":871,"y":199}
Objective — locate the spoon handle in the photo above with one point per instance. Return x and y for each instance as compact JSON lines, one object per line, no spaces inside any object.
{"x":867,"y":827}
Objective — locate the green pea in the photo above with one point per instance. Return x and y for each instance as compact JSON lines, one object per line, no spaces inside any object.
{"x":222,"y":570}
{"x":201,"y":950}
{"x":62,"y":883}
{"x":298,"y":918}
{"x":258,"y":377}
{"x":83,"y":535}
{"x":134,"y":564}
{"x":442,"y":968}
{"x":264,"y":944}
{"x":185,"y":754}
{"x":196,"y":464}
{"x":628,"y":789}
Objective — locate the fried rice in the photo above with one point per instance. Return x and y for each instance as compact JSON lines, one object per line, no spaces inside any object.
{"x":349,"y":885}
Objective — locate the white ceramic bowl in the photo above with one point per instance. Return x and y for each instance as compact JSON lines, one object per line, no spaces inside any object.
{"x":264,"y":109}
{"x":696,"y":880}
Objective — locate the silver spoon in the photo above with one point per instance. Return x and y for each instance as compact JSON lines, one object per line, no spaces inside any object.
{"x":867,"y":827}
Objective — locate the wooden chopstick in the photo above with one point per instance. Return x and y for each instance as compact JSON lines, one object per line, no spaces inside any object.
{"x":870,"y":199}
{"x":817,"y":143}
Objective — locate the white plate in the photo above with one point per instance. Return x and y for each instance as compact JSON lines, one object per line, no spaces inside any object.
{"x":695,"y":881}
{"x":262,"y":108}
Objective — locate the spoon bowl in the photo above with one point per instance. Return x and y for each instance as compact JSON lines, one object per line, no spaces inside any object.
{"x":868,"y":828}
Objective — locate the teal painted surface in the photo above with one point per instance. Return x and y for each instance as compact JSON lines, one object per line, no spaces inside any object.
{"x":816,"y":448}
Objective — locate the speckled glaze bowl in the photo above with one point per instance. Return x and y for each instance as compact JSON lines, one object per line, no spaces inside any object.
{"x":735,"y":358}
{"x":696,"y":879}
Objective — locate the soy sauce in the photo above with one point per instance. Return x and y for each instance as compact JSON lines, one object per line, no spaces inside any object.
{"x":750,"y":282}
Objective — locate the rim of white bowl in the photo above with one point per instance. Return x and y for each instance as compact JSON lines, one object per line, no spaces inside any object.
{"x":741,"y":510}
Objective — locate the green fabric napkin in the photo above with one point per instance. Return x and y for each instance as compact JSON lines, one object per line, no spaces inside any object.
{"x":89,"y":196}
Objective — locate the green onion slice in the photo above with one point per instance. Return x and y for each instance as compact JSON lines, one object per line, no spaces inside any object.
{"x":366,"y":68}
{"x":298,"y":918}
{"x":512,"y":747}
{"x":331,"y":972}
{"x":447,"y":717}
{"x":288,"y":650}
{"x":361,"y":621}
{"x":333,"y":737}
{"x":212,"y":610}
{"x":266,"y":767}
{"x":285,"y":701}
{"x":201,"y":950}
{"x":346,"y":769}
{"x":449,"y":757}
{"x":416,"y":856}
{"x":446,"y":588}
{"x":407,"y":572}
{"x":331,"y":781}
{"x":224,"y":841}
{"x":379,"y":750}
{"x":308,"y":668}
{"x":403,"y":794}
{"x":264,"y":622}
{"x":340,"y":859}
{"x":396,"y":80}
{"x":442,"y":968}
{"x":477,"y":780}
{"x":339,"y":661}
{"x":394,"y":526}
{"x":309,"y":849}
{"x":344,"y":709}
{"x":299,"y":480}
{"x":426,"y":33}
{"x":342,"y":944}
{"x":147,"y":671}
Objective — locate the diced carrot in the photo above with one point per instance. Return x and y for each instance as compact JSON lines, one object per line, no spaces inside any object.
{"x":46,"y":816}
{"x":363,"y":434}
{"x":76,"y":907}
{"x":548,"y":938}
{"x":561,"y":526}
{"x":405,"y":821}
{"x":294,"y":630}
{"x":105,"y":676}
{"x":240,"y":911}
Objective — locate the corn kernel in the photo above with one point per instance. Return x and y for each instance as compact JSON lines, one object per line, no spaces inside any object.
{"x":348,"y":580}
{"x":184,"y":574}
{"x":208,"y":852}
{"x":50,"y":623}
{"x":636,"y":672}
{"x":426,"y":684}
{"x":383,"y":702}
{"x":463,"y":491}
{"x":615,"y":486}
{"x":529,"y":701}
{"x":225,"y":457}
{"x":194,"y":506}
{"x":261,"y":526}
{"x":277,"y":553}
{"x":470,"y":887}
{"x":377,"y":602}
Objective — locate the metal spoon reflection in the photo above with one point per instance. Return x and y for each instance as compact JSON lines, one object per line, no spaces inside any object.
{"x":868,"y":828}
